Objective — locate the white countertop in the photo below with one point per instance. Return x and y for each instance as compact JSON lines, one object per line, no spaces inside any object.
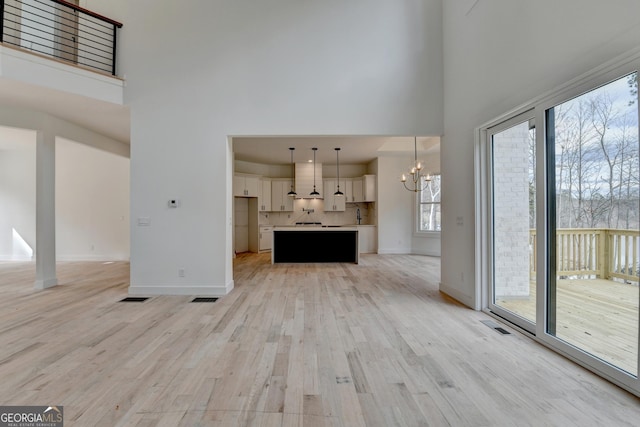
{"x":313,"y":228}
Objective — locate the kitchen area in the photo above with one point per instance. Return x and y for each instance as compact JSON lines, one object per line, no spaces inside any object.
{"x":327,"y":208}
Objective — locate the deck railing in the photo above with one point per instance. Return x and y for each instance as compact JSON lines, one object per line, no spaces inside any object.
{"x":604,"y":253}
{"x":60,"y":30}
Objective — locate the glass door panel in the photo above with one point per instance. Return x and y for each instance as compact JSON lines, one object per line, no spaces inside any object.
{"x":593,"y":295}
{"x":513,"y":221}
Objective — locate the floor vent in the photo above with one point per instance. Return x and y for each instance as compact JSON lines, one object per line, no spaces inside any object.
{"x":204,"y":299}
{"x":496,"y":327}
{"x":134,"y":299}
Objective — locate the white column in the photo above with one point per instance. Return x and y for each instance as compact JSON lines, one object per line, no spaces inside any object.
{"x":45,"y":211}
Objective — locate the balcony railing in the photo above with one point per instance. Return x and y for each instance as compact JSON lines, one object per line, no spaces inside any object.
{"x":603,"y":253}
{"x":61,"y":30}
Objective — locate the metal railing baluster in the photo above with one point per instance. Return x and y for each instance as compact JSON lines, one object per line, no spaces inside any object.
{"x":61,"y":30}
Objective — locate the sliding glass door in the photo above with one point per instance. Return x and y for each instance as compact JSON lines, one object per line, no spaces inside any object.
{"x":558,"y":188}
{"x":513,"y":193}
{"x":594,"y":211}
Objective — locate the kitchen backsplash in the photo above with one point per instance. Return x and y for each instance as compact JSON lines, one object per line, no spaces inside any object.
{"x":314,"y":212}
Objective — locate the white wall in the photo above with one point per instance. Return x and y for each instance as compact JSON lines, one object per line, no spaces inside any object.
{"x":92,"y":203}
{"x":499,"y":55}
{"x":197,"y":74}
{"x":17,"y":194}
{"x":395,"y":207}
{"x":39,"y":37}
{"x":92,"y":199}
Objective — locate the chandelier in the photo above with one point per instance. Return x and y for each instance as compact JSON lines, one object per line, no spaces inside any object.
{"x":415,"y":173}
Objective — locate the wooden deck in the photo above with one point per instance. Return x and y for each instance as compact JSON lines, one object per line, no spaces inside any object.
{"x":598,"y":316}
{"x":372,"y":344}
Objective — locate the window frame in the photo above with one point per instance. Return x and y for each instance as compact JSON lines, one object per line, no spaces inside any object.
{"x":418,"y":204}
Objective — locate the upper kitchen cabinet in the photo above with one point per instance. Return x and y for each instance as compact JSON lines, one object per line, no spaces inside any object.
{"x":245,"y":185}
{"x":364,"y":189}
{"x":280,"y":200}
{"x":305,"y":180}
{"x":331,"y":201}
{"x":347,"y":190}
{"x":369,"y":188}
{"x":264,"y":195}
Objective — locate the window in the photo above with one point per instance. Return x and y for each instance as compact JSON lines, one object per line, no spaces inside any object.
{"x":429,"y":204}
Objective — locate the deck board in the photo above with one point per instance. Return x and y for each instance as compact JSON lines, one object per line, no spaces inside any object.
{"x":596,"y":315}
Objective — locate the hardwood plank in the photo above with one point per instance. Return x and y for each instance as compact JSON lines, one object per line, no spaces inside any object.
{"x":310,"y":344}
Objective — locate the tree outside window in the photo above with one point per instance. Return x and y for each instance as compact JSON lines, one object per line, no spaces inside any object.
{"x":429,"y":218}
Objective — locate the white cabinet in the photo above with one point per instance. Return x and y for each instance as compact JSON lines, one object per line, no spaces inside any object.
{"x":364,"y":189}
{"x":266,"y":238}
{"x":348,"y":190}
{"x":357,"y":194}
{"x":264,"y":195}
{"x":369,"y":188}
{"x":280,"y":201}
{"x":332,"y":202}
{"x":245,"y":186}
{"x":367,"y":239}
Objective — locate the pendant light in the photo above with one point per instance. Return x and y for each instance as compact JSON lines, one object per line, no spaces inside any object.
{"x":292,"y":193}
{"x":338,"y":193}
{"x":314,"y":193}
{"x":415,"y":185}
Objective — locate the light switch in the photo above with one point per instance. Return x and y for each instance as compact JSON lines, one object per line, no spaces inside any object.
{"x":144,"y":221}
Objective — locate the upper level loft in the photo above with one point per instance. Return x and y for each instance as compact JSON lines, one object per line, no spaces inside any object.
{"x":56,"y":44}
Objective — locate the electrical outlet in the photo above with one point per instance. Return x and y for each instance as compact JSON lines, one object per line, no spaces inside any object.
{"x":181,"y":272}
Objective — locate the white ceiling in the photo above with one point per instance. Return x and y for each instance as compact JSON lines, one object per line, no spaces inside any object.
{"x":353,"y":149}
{"x":102,"y":117}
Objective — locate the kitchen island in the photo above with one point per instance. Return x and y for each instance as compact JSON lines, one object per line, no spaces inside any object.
{"x":315,"y":244}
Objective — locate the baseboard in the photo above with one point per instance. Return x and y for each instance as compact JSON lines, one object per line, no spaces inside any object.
{"x":426,"y":253}
{"x":211,"y":290}
{"x":396,"y":251}
{"x":13,"y":258}
{"x":67,"y":258}
{"x":457,"y":295}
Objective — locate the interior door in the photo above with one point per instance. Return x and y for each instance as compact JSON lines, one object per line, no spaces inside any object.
{"x":66,"y":32}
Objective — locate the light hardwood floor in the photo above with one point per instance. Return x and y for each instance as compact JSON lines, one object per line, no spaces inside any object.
{"x":292,"y":345}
